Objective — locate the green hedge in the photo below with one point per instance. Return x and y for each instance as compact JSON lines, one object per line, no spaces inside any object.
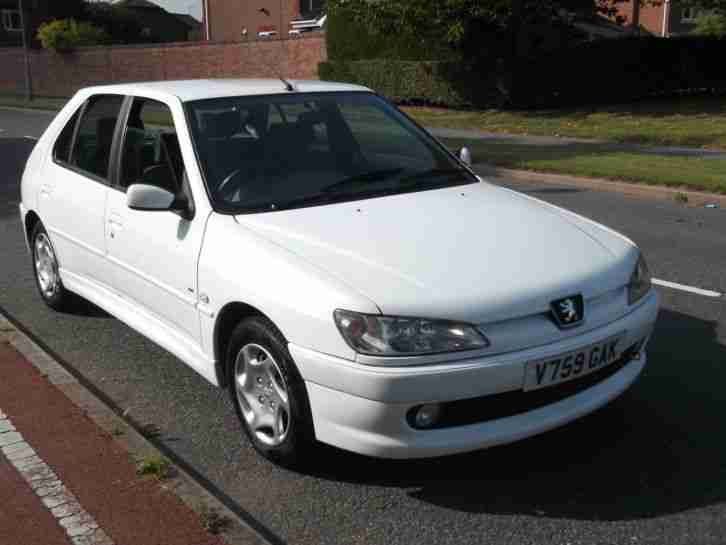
{"x":601,"y":72}
{"x":426,"y":82}
{"x":621,"y":70}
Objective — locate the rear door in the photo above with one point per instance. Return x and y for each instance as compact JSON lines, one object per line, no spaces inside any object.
{"x":72,"y":199}
{"x":154,"y":254}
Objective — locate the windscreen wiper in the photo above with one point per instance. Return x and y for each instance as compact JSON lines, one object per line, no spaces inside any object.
{"x":362,"y":180}
{"x":432,"y":173}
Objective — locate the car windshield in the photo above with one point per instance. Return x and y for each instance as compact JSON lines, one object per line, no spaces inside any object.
{"x":266,"y":153}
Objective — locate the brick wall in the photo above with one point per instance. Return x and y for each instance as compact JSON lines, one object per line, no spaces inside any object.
{"x":62,"y":75}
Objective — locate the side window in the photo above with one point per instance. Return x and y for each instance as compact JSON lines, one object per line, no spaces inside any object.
{"x":62,"y":148}
{"x":151,"y":153}
{"x":92,"y":148}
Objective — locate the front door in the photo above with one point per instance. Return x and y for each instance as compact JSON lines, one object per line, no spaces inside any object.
{"x":154,"y":254}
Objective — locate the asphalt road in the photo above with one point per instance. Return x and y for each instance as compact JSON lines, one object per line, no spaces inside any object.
{"x":649,"y":468}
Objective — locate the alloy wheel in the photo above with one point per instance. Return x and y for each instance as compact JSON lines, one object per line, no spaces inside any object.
{"x":262,"y":394}
{"x":46,"y":266}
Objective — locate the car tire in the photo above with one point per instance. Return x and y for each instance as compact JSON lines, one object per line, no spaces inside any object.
{"x":268,"y":393}
{"x":45,"y":269}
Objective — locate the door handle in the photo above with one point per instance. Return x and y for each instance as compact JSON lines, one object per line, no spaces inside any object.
{"x":45,"y":191}
{"x":115,"y":224}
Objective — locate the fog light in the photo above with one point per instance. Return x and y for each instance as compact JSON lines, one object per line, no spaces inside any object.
{"x":427,"y":416}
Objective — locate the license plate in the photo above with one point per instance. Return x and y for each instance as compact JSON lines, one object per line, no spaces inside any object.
{"x":572,"y":365}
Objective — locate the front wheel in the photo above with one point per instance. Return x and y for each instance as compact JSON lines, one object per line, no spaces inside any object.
{"x":45,"y":267}
{"x":268,"y":393}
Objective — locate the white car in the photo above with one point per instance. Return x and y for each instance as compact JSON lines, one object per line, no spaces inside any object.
{"x":308,"y":246}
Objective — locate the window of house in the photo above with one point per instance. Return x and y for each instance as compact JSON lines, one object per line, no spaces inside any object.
{"x":12,"y":20}
{"x":92,"y":147}
{"x":151,"y":154}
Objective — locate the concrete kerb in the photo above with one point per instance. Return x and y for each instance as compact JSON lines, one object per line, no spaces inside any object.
{"x":186,"y":487}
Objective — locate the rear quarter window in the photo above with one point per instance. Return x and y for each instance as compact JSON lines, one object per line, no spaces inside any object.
{"x":62,"y":147}
{"x":94,"y":137}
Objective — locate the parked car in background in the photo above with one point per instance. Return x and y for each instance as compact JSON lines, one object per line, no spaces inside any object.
{"x":350,"y":281}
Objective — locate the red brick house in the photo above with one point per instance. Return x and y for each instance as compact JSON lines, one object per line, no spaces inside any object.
{"x":234,"y":20}
{"x":667,"y":19}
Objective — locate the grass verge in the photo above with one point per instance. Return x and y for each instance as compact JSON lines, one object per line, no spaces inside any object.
{"x":600,"y":161}
{"x":681,"y":121}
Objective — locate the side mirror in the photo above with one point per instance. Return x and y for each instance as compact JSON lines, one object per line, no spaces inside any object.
{"x":151,"y":198}
{"x":465,"y":156}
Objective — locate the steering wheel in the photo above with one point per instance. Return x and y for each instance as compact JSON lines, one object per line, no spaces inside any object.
{"x":224,"y":188}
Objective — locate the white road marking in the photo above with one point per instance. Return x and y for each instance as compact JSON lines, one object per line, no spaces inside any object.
{"x":63,"y":505}
{"x":689,"y":289}
{"x":30,"y":137}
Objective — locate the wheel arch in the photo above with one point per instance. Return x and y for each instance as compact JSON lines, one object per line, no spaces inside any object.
{"x":228,"y":317}
{"x":31,"y":220}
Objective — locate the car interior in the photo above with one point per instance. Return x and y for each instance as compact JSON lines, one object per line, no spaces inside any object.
{"x":151,"y":153}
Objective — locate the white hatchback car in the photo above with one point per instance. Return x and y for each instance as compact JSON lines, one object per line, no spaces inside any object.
{"x":308,"y":246}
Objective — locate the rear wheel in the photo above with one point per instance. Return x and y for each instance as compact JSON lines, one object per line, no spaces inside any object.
{"x":268,"y":393}
{"x":45,"y":266}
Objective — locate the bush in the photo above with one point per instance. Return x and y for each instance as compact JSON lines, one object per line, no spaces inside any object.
{"x":711,"y":24}
{"x":67,"y":34}
{"x":600,"y":72}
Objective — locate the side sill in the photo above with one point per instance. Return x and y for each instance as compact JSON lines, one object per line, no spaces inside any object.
{"x":142,"y":322}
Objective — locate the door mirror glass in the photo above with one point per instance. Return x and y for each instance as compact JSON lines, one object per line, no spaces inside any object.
{"x":465,"y":156}
{"x":149,"y":198}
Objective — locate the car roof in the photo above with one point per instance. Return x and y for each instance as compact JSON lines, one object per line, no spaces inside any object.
{"x":188,"y":90}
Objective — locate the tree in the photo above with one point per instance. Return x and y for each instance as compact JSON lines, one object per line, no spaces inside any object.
{"x":68,"y":9}
{"x":477,"y":30}
{"x":707,"y":5}
{"x":461,"y":22}
{"x":122,"y":25}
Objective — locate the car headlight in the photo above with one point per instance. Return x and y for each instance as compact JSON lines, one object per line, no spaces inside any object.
{"x":640,"y":281}
{"x":378,"y":335}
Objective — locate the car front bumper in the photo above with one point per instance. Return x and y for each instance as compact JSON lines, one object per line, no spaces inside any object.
{"x":364,"y":409}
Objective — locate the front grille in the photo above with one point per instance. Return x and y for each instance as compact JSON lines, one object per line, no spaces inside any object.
{"x":481,"y":409}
